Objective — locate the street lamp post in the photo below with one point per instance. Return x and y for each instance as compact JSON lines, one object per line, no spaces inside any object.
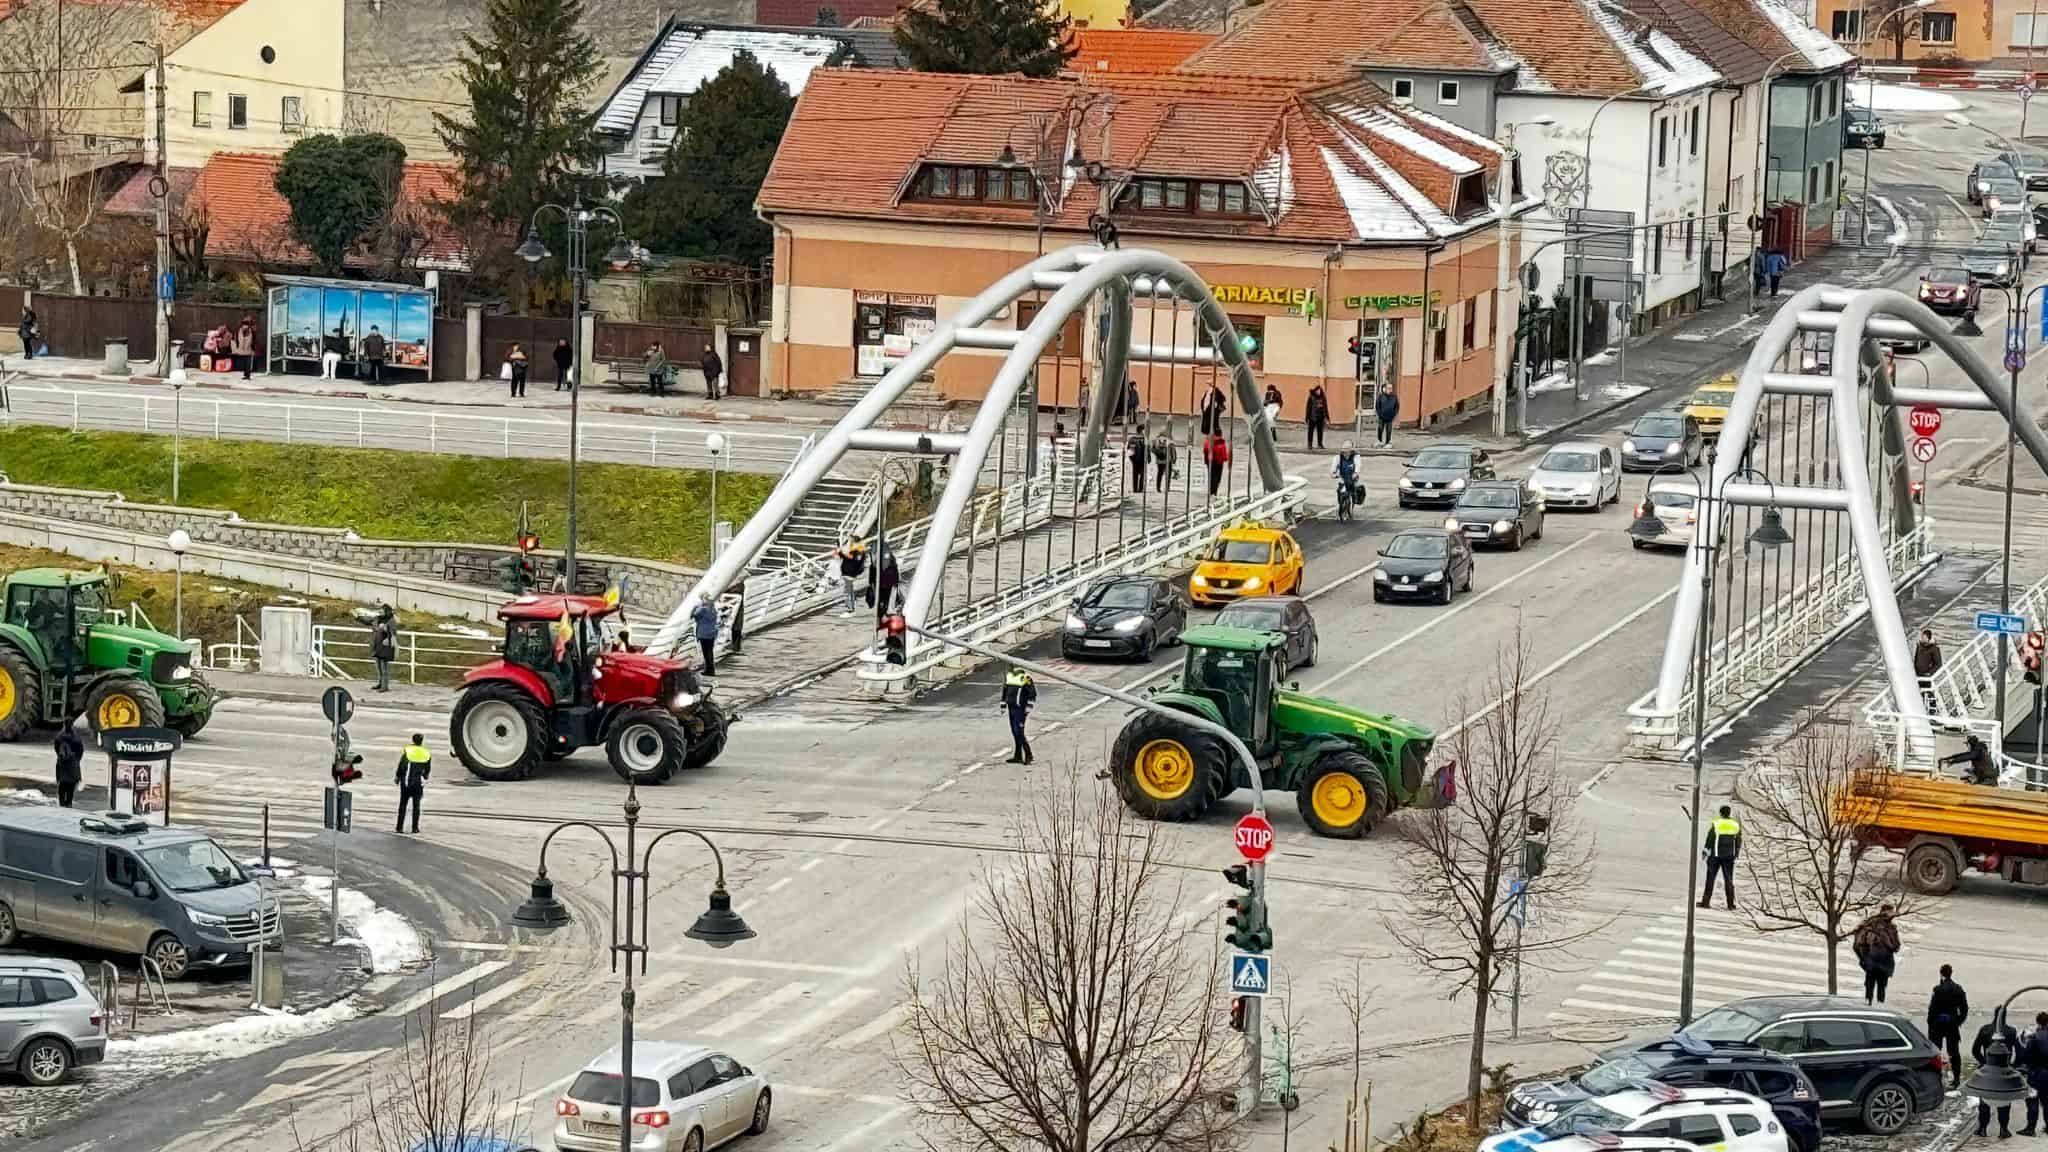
{"x":1770,"y":533}
{"x":179,"y":540}
{"x":715,"y":445}
{"x":1515,"y":370}
{"x":718,"y":926}
{"x":1996,"y":1082}
{"x":578,"y":218}
{"x":177,"y":382}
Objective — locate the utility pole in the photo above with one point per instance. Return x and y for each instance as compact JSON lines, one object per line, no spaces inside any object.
{"x":160,"y":187}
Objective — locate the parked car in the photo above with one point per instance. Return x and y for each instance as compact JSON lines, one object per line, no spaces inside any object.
{"x":2011,"y":227}
{"x":1287,"y":615}
{"x":1503,"y":512}
{"x":1992,"y":264}
{"x":1578,"y":474}
{"x":686,"y":1096}
{"x":1124,"y":615}
{"x":1861,"y":128}
{"x":50,"y":1021}
{"x":1247,"y":560}
{"x":2030,"y":167}
{"x":1725,"y":1120}
{"x":1423,"y":564}
{"x":1675,"y":500}
{"x":1981,"y":174}
{"x":1871,"y":1065}
{"x":1438,"y":474}
{"x":1995,"y":192}
{"x":1661,"y":439}
{"x":1949,"y":290}
{"x":1680,"y":1061}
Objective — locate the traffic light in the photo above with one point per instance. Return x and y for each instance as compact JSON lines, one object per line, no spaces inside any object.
{"x":1919,"y":492}
{"x":1247,"y":915}
{"x":1237,"y":1013}
{"x":1536,"y":847}
{"x":895,"y":639}
{"x":1355,"y":346}
{"x":528,"y":541}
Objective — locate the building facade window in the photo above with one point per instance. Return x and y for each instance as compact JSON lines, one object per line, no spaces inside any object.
{"x":1201,"y":197}
{"x":1937,"y":28}
{"x":1827,"y":183}
{"x":887,"y":325}
{"x":1468,"y":336}
{"x":1252,"y":326}
{"x":1657,"y":250}
{"x":1813,"y":184}
{"x":202,"y":109}
{"x":1439,"y":345}
{"x":1692,"y":131}
{"x":952,"y":182}
{"x":1834,"y":98}
{"x":1404,"y":89}
{"x":292,"y":114}
{"x":1813,"y":99}
{"x":1663,"y":142}
{"x":1447,"y":91}
{"x":670,"y":109}
{"x":1846,"y":24}
{"x":238,"y":111}
{"x":1688,"y":241}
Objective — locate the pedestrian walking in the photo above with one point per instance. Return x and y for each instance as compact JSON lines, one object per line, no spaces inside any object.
{"x":1774,"y":269}
{"x":1926,"y":662}
{"x":517,"y":359}
{"x":1386,"y":408}
{"x":705,"y":619}
{"x":713,"y":369}
{"x":882,"y":580}
{"x":384,"y":646}
{"x":739,"y":613}
{"x":1215,"y":409}
{"x":2033,"y":1062}
{"x":1132,"y":402}
{"x":245,"y":345}
{"x":1273,"y":404}
{"x":28,"y":330}
{"x":853,"y":562}
{"x":564,"y":359}
{"x":415,"y":764}
{"x":1162,"y":460}
{"x":1020,"y":696}
{"x":70,"y":752}
{"x":1723,"y":845}
{"x":1216,"y":454}
{"x":1947,"y":1007}
{"x":656,"y":365}
{"x":1136,"y":449}
{"x":1318,"y":414}
{"x":1877,"y":952}
{"x":1988,"y":1056}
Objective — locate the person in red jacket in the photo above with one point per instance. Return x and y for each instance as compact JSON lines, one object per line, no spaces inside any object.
{"x":1216,"y":452}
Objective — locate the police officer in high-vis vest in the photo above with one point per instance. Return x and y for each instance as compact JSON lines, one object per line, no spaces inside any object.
{"x":1724,"y":844}
{"x":1020,"y":695}
{"x":415,"y":764}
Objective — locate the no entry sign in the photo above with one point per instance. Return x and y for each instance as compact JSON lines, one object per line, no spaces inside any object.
{"x":1254,"y":837}
{"x":1924,"y":419}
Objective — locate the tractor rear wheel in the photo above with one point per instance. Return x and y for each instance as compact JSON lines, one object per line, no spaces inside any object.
{"x":21,"y":695}
{"x":1343,"y":795}
{"x":1165,"y":770}
{"x":123,"y":701}
{"x":498,"y":732}
{"x":647,"y":746}
{"x":710,"y":737}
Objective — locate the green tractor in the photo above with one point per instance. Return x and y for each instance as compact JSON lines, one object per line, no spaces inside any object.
{"x":54,"y":621}
{"x":1348,"y":769}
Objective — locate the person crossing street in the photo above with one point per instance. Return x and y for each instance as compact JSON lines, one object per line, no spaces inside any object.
{"x":1876,"y":944}
{"x":2033,"y":1062}
{"x":1947,"y":1007}
{"x":415,"y":764}
{"x":70,"y":764}
{"x":1020,"y":696}
{"x":1723,"y":845}
{"x":704,"y":618}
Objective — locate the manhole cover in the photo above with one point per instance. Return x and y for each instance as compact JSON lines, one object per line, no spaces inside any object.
{"x":1589,"y":1034}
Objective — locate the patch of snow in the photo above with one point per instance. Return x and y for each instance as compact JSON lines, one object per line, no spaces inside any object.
{"x":1388,"y":127}
{"x":1623,"y":391}
{"x":287,"y":598}
{"x":1375,"y":215}
{"x":1901,"y":98}
{"x":1820,"y":50}
{"x":25,"y":796}
{"x":1419,"y":206}
{"x":390,"y":939}
{"x":1555,"y":382}
{"x":1600,"y":358}
{"x":466,"y":631}
{"x":234,"y":1039}
{"x":691,"y":56}
{"x":1666,"y":69}
{"x":1463,"y":133}
{"x":218,"y":588}
{"x":1275,"y":180}
{"x":1899,"y":232}
{"x":1502,"y":56}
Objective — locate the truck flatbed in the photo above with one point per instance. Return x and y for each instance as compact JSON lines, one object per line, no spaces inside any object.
{"x":1946,"y":826}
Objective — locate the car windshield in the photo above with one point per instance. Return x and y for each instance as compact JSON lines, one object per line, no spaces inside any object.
{"x":2002,"y":186}
{"x":1418,"y":546}
{"x":1257,"y":617}
{"x":1241,"y":551}
{"x":1987,"y":255}
{"x":604,"y":1088}
{"x":1670,"y":427}
{"x":88,"y":603}
{"x":1713,"y":397}
{"x":1995,"y":171}
{"x":1122,"y":594}
{"x":2003,"y":227}
{"x":1622,"y":1072}
{"x":2030,"y":160}
{"x":1672,"y":498}
{"x":1724,"y":1023}
{"x":1948,"y":276}
{"x":1570,"y":462}
{"x":1488,"y":498}
{"x":1590,"y":1115}
{"x":194,"y":866}
{"x":1222,"y":670}
{"x":1442,"y":458}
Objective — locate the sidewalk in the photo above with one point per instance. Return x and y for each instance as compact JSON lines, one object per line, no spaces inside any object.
{"x":308,"y":689}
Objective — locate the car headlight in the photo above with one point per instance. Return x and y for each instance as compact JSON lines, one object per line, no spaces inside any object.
{"x":1075,"y":623}
{"x":1433,"y":578}
{"x":1407,"y":483}
{"x":181,"y":672}
{"x":1450,"y":524}
{"x":1925,"y":291}
{"x":1502,"y":525}
{"x":1129,"y":623}
{"x":1458,"y":484}
{"x":1628,"y":445}
{"x":1983,"y":186}
{"x":1671,"y":449}
{"x":1251,"y":583}
{"x":1583,"y":490}
{"x":1201,"y":581}
{"x":1993,"y":201}
{"x":684,"y":699}
{"x":1379,"y":576}
{"x":206,"y":919}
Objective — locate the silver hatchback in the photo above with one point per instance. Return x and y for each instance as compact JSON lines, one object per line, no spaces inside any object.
{"x":685,"y":1098}
{"x":50,"y":1022}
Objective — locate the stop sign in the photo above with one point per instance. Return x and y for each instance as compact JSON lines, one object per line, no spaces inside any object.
{"x":1254,"y":837}
{"x":1924,"y":419}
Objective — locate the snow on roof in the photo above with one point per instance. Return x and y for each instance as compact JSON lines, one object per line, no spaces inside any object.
{"x":1449,"y":129}
{"x":1821,"y":51}
{"x":1504,"y":57}
{"x":1374,"y":214}
{"x":1666,"y":69}
{"x":690,"y":56}
{"x":1275,"y":180}
{"x":1381,"y":123}
{"x":1418,"y":204}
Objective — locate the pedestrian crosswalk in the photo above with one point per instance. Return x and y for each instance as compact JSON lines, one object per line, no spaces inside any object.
{"x":241,"y":826}
{"x":1732,"y":960}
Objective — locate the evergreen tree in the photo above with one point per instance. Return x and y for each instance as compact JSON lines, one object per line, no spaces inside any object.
{"x":526,"y":132}
{"x":702,"y":204}
{"x":341,"y":189}
{"x":991,"y":37}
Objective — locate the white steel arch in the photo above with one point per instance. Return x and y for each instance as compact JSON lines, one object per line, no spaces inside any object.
{"x":1075,"y":276}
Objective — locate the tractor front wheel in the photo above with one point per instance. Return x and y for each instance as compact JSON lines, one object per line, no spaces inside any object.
{"x":1167,"y":771}
{"x":710,"y":737}
{"x":20,"y":695}
{"x":122,"y":701}
{"x":647,"y":746}
{"x":1342,"y":796}
{"x":498,"y":732}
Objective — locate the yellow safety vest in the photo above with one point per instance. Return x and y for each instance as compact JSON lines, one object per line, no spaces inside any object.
{"x":1725,"y":827}
{"x":1017,"y":678}
{"x":418,"y":754}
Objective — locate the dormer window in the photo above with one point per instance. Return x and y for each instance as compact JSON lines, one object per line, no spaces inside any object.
{"x":953,"y":183}
{"x":1199,"y":197}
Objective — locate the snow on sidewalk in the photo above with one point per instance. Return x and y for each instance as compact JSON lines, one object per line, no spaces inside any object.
{"x":1899,"y":233}
{"x":233,"y":1039}
{"x":388,"y":938}
{"x":1901,"y":98}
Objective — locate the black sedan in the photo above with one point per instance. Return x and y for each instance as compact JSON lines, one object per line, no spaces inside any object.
{"x":1991,"y":264}
{"x":1437,"y":475}
{"x":1423,"y":564}
{"x":1660,"y":439}
{"x":1288,"y":615}
{"x":1500,"y":512}
{"x":1124,"y":616}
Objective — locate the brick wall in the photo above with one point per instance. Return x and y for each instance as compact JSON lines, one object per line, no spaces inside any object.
{"x":651,"y":586}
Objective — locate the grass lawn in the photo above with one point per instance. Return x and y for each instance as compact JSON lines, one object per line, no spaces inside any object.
{"x":650,"y":513}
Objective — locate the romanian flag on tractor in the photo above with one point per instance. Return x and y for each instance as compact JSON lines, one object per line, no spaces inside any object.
{"x":564,"y":630}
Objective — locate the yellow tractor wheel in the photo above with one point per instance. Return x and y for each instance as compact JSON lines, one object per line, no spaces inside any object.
{"x":123,"y":702}
{"x":20,"y":695}
{"x":1166,"y":770}
{"x":1343,"y":795}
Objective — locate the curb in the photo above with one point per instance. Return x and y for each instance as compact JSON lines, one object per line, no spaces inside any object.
{"x":361,"y":701}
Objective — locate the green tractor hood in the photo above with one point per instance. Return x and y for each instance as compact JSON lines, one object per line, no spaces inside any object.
{"x":108,"y":646}
{"x":1316,"y":715}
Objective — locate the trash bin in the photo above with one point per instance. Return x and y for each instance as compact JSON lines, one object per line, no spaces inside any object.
{"x":270,"y":981}
{"x":117,"y":358}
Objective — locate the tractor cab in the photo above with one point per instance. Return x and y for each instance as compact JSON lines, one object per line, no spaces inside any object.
{"x":65,"y":651}
{"x":1238,"y":672}
{"x":58,"y":613}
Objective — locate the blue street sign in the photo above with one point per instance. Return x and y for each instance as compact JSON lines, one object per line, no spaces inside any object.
{"x":2015,"y":359}
{"x":2044,"y":318}
{"x":2002,"y":623}
{"x":166,"y":286}
{"x":1250,"y":974}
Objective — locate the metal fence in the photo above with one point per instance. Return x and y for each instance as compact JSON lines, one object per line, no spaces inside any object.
{"x":342,"y":651}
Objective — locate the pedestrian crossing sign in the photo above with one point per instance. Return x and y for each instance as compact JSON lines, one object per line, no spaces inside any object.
{"x":1249,"y":974}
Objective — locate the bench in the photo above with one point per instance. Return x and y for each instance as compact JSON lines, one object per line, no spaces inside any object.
{"x":632,"y":374}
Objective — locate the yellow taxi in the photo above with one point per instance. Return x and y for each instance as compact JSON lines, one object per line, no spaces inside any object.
{"x":1709,"y":406}
{"x":1246,"y":560}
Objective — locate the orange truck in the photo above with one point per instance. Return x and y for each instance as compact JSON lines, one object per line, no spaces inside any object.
{"x":1946,"y":826}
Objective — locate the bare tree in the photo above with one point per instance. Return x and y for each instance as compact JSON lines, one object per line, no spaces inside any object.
{"x":1803,"y":843}
{"x":1074,"y":1012}
{"x":437,"y":1099}
{"x":1457,"y":915}
{"x":1896,"y":20}
{"x":1355,"y":1000}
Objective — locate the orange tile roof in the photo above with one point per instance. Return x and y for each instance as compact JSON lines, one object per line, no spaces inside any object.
{"x":248,"y":220}
{"x":1139,"y":51}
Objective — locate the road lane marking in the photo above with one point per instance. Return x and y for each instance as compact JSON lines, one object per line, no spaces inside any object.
{"x":877,"y":1027}
{"x":778,"y":886}
{"x":759,"y":1008}
{"x":857,"y":1138}
{"x":645,"y":994}
{"x":412,"y":1003}
{"x":1545,"y":672}
{"x":813,"y":862}
{"x":1440,"y":617}
{"x":818,"y":1017}
{"x":505,"y":991}
{"x":702,"y":1000}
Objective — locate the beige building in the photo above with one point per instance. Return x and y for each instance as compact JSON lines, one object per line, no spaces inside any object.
{"x":256,"y":80}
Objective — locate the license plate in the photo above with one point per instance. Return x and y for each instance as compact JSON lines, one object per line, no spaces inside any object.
{"x":1474,"y":530}
{"x":1095,"y":643}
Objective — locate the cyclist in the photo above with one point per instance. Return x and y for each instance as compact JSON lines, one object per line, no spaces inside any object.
{"x":1349,"y":490}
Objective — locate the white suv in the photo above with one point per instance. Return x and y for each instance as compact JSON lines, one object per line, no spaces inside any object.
{"x":686,"y":1098}
{"x":50,"y":1022}
{"x":1697,"y":1118}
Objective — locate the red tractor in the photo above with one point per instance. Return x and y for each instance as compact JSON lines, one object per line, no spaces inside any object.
{"x":565,"y":682}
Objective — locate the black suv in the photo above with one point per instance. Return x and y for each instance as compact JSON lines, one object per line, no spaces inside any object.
{"x":1682,"y":1062}
{"x":1871,"y":1065}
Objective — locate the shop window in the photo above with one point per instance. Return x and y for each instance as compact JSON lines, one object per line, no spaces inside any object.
{"x":1404,"y":89}
{"x":238,"y":111}
{"x":1447,"y":92}
{"x":1937,"y":28}
{"x":887,"y":325}
{"x":1469,"y":336}
{"x":202,"y":109}
{"x":1252,"y":326}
